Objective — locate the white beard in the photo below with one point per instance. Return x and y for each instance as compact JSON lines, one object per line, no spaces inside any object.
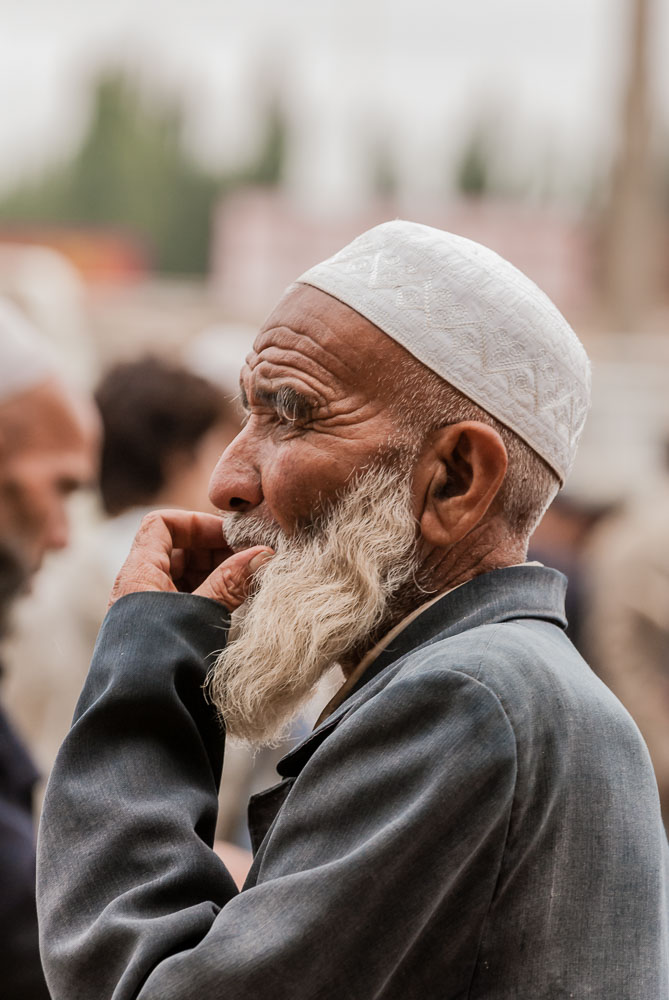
{"x":324,"y":594}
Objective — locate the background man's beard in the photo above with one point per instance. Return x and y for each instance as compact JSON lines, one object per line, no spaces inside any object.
{"x":325,"y":593}
{"x":13,"y":581}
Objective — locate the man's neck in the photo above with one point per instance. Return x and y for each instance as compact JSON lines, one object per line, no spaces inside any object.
{"x":442,"y":570}
{"x":489,"y":546}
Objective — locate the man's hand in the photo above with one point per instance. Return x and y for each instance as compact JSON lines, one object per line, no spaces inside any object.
{"x":178,"y":550}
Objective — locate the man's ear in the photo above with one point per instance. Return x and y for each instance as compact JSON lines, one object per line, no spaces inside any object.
{"x":461,"y":475}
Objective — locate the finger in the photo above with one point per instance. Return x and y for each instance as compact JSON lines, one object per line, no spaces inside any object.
{"x":177,"y":563}
{"x":149,"y":565}
{"x":194,"y":530}
{"x":182,"y":529}
{"x":229,"y":583}
{"x":191,"y":567}
{"x":205,"y":560}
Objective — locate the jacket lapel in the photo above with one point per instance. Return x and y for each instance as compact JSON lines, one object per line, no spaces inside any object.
{"x":502,"y":595}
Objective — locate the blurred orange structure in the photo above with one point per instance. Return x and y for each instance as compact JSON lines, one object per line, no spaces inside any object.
{"x":101,"y":255}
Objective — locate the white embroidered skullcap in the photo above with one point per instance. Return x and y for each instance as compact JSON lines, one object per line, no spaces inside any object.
{"x":476,"y":321}
{"x":26,"y":359}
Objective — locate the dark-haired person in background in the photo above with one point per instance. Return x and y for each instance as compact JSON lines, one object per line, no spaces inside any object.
{"x":164,"y":428}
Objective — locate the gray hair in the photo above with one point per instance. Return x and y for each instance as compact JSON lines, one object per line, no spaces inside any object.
{"x":530,"y":485}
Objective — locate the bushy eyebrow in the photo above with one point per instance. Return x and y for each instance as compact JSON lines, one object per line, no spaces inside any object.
{"x":286,"y":401}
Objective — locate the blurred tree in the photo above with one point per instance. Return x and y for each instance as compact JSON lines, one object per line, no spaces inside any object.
{"x":267,"y":169}
{"x":383,"y":169}
{"x":133,"y":171}
{"x":473,"y":174}
{"x":485,"y":167}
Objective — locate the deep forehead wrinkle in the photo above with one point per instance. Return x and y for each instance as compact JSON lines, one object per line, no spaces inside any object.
{"x":275,"y":366}
{"x":321,"y":346}
{"x":324,"y":349}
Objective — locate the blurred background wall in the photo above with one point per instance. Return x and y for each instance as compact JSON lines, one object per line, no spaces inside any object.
{"x":179,"y":163}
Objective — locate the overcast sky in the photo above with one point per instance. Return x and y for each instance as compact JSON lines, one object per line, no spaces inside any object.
{"x":548,"y":72}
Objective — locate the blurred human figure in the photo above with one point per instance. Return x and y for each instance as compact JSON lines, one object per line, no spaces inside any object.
{"x":163,"y":426}
{"x":50,"y":291}
{"x":47,"y":447}
{"x":163,"y":431}
{"x":46,"y":452}
{"x":628,"y":627}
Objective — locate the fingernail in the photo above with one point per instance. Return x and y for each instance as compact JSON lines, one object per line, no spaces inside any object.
{"x":259,"y":559}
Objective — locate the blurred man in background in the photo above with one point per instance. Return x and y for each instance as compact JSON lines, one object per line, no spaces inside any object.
{"x":47,"y":450}
{"x":163,"y":428}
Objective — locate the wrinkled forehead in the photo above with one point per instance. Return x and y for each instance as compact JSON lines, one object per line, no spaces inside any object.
{"x":323,"y":343}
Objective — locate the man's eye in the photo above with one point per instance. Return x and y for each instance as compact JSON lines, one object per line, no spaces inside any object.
{"x":291,"y":408}
{"x":288,"y":419}
{"x":66,"y":487}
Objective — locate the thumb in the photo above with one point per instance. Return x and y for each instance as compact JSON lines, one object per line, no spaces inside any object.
{"x":229,"y":583}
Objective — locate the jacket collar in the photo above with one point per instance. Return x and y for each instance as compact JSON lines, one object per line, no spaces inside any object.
{"x":517,"y":592}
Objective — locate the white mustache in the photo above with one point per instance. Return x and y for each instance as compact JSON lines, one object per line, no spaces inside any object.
{"x":242,"y":531}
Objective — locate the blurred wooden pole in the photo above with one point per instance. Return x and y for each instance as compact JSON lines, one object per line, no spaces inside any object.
{"x":631,"y":244}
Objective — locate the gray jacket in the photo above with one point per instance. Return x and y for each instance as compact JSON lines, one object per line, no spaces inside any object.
{"x":479,"y":819}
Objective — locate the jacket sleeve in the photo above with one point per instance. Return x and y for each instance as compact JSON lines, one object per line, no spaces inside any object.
{"x":388,"y":846}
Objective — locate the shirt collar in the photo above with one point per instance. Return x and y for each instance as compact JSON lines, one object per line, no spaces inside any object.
{"x":352,"y":681}
{"x":516,"y":592}
{"x":372,"y":654}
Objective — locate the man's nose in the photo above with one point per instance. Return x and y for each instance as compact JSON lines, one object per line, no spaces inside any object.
{"x":58,"y":531}
{"x":235,"y":483}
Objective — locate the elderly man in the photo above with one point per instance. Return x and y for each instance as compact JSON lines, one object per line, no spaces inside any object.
{"x":474,"y":815}
{"x":46,"y":451}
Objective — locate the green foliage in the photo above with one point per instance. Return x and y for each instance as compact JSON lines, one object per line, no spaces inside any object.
{"x":473,"y":173}
{"x":267,"y":170}
{"x":383,"y":170}
{"x":132,"y":171}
